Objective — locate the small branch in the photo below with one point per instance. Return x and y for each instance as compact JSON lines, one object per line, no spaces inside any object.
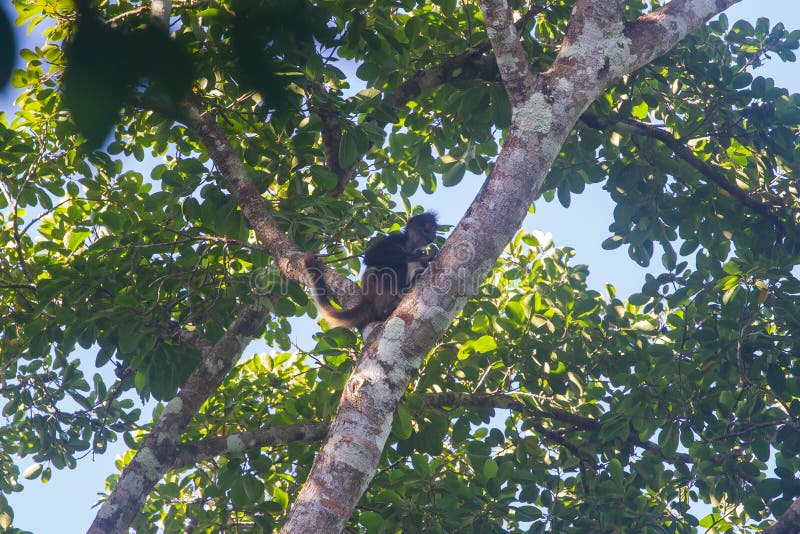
{"x":578,"y":422}
{"x":331,"y":140}
{"x":331,"y":136}
{"x":475,"y":63}
{"x":217,"y":239}
{"x":130,"y":13}
{"x":16,"y":232}
{"x":189,"y":454}
{"x":45,"y":213}
{"x":564,"y":442}
{"x":509,"y":402}
{"x":710,"y":172}
{"x":11,"y":285}
{"x":511,"y":57}
{"x":178,"y":4}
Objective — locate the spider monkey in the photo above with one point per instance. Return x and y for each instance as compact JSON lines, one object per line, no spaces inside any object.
{"x":393,"y":262}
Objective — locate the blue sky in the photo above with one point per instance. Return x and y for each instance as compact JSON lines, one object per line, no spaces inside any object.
{"x":65,"y":503}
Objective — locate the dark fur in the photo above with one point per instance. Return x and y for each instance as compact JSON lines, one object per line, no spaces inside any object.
{"x":393,"y":264}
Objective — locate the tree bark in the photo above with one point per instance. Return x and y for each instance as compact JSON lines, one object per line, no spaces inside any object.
{"x":597,"y":51}
{"x":157,"y":454}
{"x":788,"y":522}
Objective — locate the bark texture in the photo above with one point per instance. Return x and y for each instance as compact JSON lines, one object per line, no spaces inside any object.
{"x":597,"y":51}
{"x":157,"y":454}
{"x":788,"y":522}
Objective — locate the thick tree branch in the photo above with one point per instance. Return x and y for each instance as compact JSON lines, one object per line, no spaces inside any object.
{"x":476,"y":62}
{"x":788,"y":522}
{"x":543,"y":115}
{"x":204,"y":124}
{"x":10,"y":285}
{"x":653,"y":34}
{"x":157,"y":454}
{"x":471,"y":64}
{"x":592,"y":21}
{"x":509,"y":402}
{"x":194,"y":339}
{"x":288,"y":256}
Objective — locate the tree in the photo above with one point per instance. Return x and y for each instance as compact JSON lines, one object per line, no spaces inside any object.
{"x":503,"y":394}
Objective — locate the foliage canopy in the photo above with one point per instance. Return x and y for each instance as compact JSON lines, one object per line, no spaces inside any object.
{"x":546,"y":406}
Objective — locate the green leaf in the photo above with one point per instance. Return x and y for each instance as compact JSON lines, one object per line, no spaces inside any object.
{"x":643,"y":326}
{"x":741,"y":80}
{"x":776,"y":379}
{"x":254,"y":488}
{"x":563,"y":194}
{"x":615,"y":241}
{"x":614,"y":469}
{"x":769,"y":488}
{"x":239,"y":494}
{"x":371,"y":520}
{"x":420,"y":464}
{"x":454,"y":174}
{"x":280,"y":497}
{"x":128,"y":340}
{"x":484,"y":344}
{"x":515,"y":312}
{"x":761,"y":450}
{"x":402,"y":425}
{"x":668,"y":439}
{"x":762,"y":27}
{"x":347,"y":149}
{"x":528,"y":513}
{"x":731,"y":268}
{"x":32,"y":471}
{"x":640,"y":111}
{"x":76,"y":239}
{"x":614,"y":427}
{"x":501,"y":108}
{"x":729,"y":294}
{"x":323,"y":178}
{"x":490,"y":468}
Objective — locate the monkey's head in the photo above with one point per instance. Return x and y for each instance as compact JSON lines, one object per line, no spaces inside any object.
{"x":421,"y":229}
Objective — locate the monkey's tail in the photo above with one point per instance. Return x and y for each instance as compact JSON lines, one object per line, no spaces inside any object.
{"x":356,"y":317}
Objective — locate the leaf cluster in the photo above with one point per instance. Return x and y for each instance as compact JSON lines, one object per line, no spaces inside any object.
{"x":548,"y":406}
